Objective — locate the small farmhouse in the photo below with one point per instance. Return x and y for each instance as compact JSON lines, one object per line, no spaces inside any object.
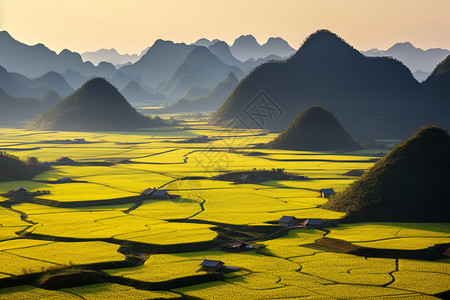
{"x":147,"y":192}
{"x":287,"y":221}
{"x":20,"y":190}
{"x":326,"y":193}
{"x":65,"y":160}
{"x":160,"y":194}
{"x":212,"y":265}
{"x":313,"y":223}
{"x":64,"y":180}
{"x":238,"y":246}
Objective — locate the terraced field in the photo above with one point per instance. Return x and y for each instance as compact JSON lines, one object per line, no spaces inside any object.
{"x":99,"y":231}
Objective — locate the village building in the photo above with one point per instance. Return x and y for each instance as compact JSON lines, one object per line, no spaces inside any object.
{"x":212,"y":265}
{"x":326,"y":193}
{"x":64,"y":180}
{"x":20,"y":190}
{"x":288,"y":221}
{"x":243,"y":178}
{"x":238,"y":246}
{"x":65,"y":160}
{"x":147,"y":192}
{"x":160,"y":194}
{"x":313,"y":223}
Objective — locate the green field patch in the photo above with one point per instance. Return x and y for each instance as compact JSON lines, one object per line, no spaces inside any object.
{"x":290,"y":245}
{"x":30,"y":185}
{"x":422,"y":282}
{"x":177,"y":208}
{"x":72,"y":252}
{"x":21,"y":243}
{"x":31,"y":292}
{"x":222,"y":290}
{"x":366,"y":232}
{"x":17,"y":265}
{"x":116,"y":291}
{"x":423,"y":266}
{"x":406,"y":243}
{"x":171,"y":233}
{"x":77,"y":224}
{"x":70,"y":192}
{"x":10,"y":219}
{"x":7,"y":233}
{"x":344,"y":268}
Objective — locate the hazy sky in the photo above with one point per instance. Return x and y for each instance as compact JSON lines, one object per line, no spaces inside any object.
{"x":132,"y":25}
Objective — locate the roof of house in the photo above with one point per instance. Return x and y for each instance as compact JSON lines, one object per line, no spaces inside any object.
{"x":63,"y":158}
{"x":235,"y":244}
{"x":243,"y":177}
{"x":313,"y":222}
{"x":328,"y":191}
{"x":286,"y":219}
{"x":148,"y":191}
{"x":160,"y":193}
{"x":211,"y":263}
{"x":20,"y":188}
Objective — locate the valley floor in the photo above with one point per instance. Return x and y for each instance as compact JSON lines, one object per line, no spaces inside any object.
{"x":97,"y":229}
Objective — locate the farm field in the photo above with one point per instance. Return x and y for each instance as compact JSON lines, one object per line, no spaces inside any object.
{"x":100,"y":228}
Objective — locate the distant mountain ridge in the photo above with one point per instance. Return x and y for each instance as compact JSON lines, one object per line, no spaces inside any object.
{"x":206,"y":103}
{"x":415,"y":59}
{"x":372,"y":96}
{"x":109,"y":55}
{"x":246,"y":47}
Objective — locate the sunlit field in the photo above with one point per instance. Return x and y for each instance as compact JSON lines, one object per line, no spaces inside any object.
{"x":151,"y":248}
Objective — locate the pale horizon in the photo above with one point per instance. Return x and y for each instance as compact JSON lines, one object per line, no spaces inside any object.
{"x":87,"y":26}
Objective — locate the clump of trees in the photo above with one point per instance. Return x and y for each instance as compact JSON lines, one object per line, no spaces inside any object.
{"x":13,"y":168}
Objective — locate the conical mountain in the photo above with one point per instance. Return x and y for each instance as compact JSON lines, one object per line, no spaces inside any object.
{"x":410,"y":184}
{"x":371,"y":96}
{"x":97,"y":105}
{"x":314,"y":129}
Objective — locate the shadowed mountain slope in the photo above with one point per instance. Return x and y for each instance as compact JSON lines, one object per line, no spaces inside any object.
{"x":408,"y":185}
{"x":97,"y":105}
{"x":314,"y":129}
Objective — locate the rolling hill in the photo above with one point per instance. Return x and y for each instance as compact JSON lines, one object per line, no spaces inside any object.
{"x":314,"y":129}
{"x":97,"y":105}
{"x":408,"y":185}
{"x":371,"y":96}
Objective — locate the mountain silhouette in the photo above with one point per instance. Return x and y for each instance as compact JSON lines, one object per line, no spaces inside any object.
{"x":371,"y":96}
{"x":160,"y":62}
{"x":408,"y":185}
{"x":314,"y":129}
{"x":195,"y":92}
{"x":33,"y":61}
{"x":200,"y":68}
{"x":223,"y":52}
{"x":16,"y":85}
{"x":109,"y":55}
{"x":16,"y":109}
{"x":247,"y":47}
{"x":414,"y":58}
{"x":96,"y":106}
{"x":209,"y":102}
{"x":134,"y":92}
